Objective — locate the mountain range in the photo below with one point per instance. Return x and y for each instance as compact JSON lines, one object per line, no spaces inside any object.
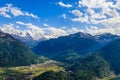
{"x":73,"y":46}
{"x":98,"y":56}
{"x":84,"y":56}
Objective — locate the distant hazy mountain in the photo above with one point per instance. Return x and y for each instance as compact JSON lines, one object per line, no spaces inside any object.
{"x":70,"y":47}
{"x":80,"y":43}
{"x":106,"y":37}
{"x":28,"y":41}
{"x":31,"y":39}
{"x":26,"y":37}
{"x":13,"y":52}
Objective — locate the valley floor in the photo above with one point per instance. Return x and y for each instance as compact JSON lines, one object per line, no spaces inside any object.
{"x":28,"y":72}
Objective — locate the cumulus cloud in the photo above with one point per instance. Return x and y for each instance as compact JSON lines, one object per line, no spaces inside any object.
{"x":111,"y":25}
{"x":93,"y":12}
{"x":53,"y":32}
{"x":95,"y":30}
{"x":9,"y":9}
{"x":97,"y":11}
{"x":91,"y":3}
{"x":34,"y":31}
{"x":37,"y":32}
{"x":118,"y":4}
{"x":3,"y":12}
{"x":77,"y":13}
{"x":81,"y":19}
{"x":14,"y":10}
{"x":64,"y":5}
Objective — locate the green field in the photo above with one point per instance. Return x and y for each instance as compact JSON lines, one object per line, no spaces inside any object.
{"x":112,"y":78}
{"x":30,"y":71}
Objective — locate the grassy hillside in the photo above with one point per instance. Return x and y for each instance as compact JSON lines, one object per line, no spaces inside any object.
{"x":102,"y":63}
{"x":13,"y":52}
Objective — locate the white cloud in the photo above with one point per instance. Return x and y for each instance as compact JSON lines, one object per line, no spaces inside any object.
{"x":37,"y":32}
{"x":9,"y":9}
{"x":53,"y":32}
{"x":14,"y":10}
{"x":19,"y":22}
{"x":91,"y":3}
{"x":117,"y":4}
{"x":95,"y":30}
{"x":108,"y":22}
{"x":111,"y":25}
{"x":64,"y":16}
{"x":9,"y":28}
{"x":94,"y":12}
{"x":17,"y":27}
{"x":106,"y":7}
{"x":46,"y":25}
{"x":64,"y":5}
{"x":31,"y":15}
{"x":94,"y":15}
{"x":77,"y":13}
{"x":3,"y":12}
{"x":103,"y":12}
{"x":81,"y":19}
{"x":74,"y":30}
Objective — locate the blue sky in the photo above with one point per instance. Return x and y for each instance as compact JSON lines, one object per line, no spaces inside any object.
{"x":65,"y":16}
{"x":47,"y":10}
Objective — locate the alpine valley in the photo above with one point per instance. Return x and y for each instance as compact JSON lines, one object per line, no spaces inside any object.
{"x":59,"y":39}
{"x":79,"y":56}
